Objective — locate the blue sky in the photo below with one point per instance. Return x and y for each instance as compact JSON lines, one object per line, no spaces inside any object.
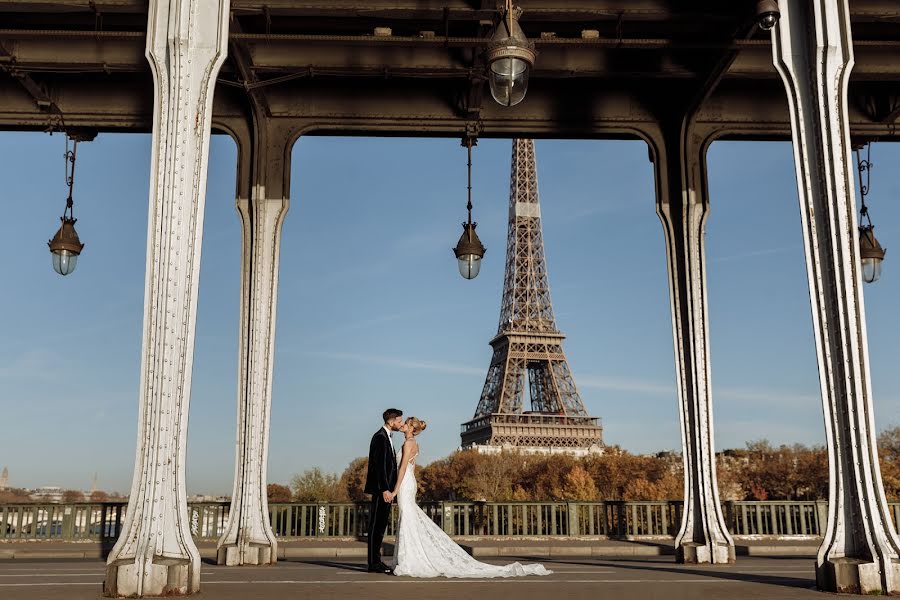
{"x":372,"y":312}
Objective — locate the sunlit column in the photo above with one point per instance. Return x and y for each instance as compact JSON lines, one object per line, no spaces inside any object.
{"x":813,"y":52}
{"x":186,"y":44}
{"x":263,"y":198}
{"x":682,"y":204}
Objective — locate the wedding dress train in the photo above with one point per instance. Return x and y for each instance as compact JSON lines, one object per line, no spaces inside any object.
{"x":424,"y":550}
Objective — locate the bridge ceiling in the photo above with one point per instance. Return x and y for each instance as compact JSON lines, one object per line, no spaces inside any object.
{"x":320,"y":65}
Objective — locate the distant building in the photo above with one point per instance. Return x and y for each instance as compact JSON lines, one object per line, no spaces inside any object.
{"x":201,"y":498}
{"x":47,"y":494}
{"x":4,"y":479}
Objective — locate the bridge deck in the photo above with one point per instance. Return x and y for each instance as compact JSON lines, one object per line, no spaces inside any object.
{"x":573,"y":577}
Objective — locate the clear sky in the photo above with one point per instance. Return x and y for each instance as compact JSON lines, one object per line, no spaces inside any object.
{"x":372,"y":312}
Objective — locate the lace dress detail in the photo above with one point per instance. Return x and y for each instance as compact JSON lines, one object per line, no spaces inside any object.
{"x":424,"y":550}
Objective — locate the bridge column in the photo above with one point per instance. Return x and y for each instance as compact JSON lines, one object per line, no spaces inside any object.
{"x":154,"y":554}
{"x":813,"y":52}
{"x":263,"y":198}
{"x":682,"y":204}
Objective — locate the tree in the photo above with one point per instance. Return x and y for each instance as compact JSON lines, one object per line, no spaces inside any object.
{"x":436,"y":480}
{"x":99,"y":496}
{"x":315,"y":486}
{"x":70,"y":496}
{"x":889,"y":459}
{"x":277,"y":493}
{"x":490,"y":477}
{"x":353,"y":480}
{"x":14,"y":496}
{"x":579,"y":485}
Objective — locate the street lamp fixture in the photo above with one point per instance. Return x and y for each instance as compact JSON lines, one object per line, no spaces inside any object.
{"x":469,"y":250}
{"x":871,"y":254}
{"x":510,"y":57}
{"x":767,"y":14}
{"x":65,"y":245}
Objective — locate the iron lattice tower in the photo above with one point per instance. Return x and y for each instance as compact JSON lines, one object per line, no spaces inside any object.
{"x":528,"y":352}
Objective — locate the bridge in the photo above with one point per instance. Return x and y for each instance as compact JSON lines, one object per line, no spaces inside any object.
{"x":594,"y":548}
{"x":677,"y":75}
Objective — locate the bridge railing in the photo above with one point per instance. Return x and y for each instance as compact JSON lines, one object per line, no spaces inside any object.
{"x":616,"y":519}
{"x":780,"y":518}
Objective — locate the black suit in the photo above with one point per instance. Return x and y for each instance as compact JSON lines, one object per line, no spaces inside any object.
{"x":381,"y":477}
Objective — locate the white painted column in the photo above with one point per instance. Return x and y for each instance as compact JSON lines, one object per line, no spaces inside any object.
{"x":682,"y":204}
{"x":186,"y":42}
{"x":813,"y":52}
{"x":262,"y":205}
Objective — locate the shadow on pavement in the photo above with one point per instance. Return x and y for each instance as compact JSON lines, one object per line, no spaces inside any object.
{"x":336,"y":565}
{"x":667,"y":566}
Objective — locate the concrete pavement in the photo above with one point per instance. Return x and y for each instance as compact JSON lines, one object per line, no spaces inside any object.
{"x":479,"y":547}
{"x":573,"y":577}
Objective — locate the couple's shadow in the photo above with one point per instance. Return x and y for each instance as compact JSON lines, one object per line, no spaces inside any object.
{"x":386,"y":550}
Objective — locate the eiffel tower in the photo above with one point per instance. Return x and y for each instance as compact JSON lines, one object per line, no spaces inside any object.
{"x":528,"y":352}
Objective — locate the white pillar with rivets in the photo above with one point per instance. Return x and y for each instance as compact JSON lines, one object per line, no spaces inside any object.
{"x":186,"y":45}
{"x":263,"y":199}
{"x":813,"y":52}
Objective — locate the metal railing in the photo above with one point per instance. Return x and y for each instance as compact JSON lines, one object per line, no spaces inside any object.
{"x":779,"y":518}
{"x":616,"y":519}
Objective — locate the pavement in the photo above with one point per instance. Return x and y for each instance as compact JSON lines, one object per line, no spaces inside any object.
{"x":478,"y":547}
{"x":336,"y":579}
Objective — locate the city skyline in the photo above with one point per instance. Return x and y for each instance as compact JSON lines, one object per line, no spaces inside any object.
{"x":387,"y":212}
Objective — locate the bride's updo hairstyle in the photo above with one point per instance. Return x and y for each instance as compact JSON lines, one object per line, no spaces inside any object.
{"x":418,"y":426}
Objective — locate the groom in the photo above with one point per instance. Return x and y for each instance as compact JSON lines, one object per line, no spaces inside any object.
{"x":380,"y":481}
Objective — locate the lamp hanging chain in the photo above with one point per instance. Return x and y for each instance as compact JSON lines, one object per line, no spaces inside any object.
{"x":70,"y":176}
{"x":864,"y":167}
{"x":469,"y":184}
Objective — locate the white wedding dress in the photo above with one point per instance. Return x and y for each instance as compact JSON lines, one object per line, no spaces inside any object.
{"x":424,"y":550}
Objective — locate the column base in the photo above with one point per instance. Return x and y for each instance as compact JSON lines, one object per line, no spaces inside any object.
{"x":162,"y":577}
{"x":233,"y":555}
{"x":694,"y":553}
{"x":846,"y":575}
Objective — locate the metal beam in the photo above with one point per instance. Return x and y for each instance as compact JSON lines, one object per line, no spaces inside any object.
{"x":242,"y":60}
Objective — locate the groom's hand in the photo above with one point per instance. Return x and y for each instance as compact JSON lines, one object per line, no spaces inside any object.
{"x":387,"y":496}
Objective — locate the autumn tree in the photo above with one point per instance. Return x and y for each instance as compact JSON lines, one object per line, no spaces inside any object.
{"x":491,"y":477}
{"x":315,"y":486}
{"x":579,"y":485}
{"x":277,"y":493}
{"x":437,"y":481}
{"x":889,"y":458}
{"x":14,"y":496}
{"x":99,"y":496}
{"x":70,"y":496}
{"x":547,"y":475}
{"x":353,"y":480}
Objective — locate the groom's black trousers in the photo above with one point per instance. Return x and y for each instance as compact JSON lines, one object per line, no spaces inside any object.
{"x":379,"y":513}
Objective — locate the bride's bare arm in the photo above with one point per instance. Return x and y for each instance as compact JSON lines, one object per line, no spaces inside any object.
{"x":404,"y":463}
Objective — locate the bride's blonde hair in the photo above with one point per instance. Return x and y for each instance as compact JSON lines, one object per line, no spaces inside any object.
{"x":418,"y":426}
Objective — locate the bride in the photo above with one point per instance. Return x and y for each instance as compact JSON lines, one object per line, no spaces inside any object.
{"x":423,"y":549}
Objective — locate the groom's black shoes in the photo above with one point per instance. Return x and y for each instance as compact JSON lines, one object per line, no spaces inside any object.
{"x":380,"y":568}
